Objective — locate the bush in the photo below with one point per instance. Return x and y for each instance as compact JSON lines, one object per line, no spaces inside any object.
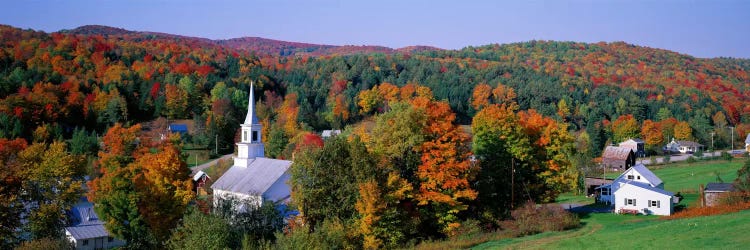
{"x":726,"y":156}
{"x":47,"y":243}
{"x":667,"y":157}
{"x":532,"y":219}
{"x":691,"y":160}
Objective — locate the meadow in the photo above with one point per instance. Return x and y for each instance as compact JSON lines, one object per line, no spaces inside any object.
{"x":653,"y":232}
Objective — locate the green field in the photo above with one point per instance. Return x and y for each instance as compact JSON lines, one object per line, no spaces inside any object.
{"x":612,"y":231}
{"x":625,"y":231}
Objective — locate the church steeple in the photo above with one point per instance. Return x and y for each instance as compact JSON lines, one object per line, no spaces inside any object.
{"x":251,"y":118}
{"x":250,"y":145}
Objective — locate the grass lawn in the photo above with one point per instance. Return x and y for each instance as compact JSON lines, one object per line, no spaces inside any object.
{"x":626,"y":231}
{"x":686,"y":177}
{"x":198,"y":156}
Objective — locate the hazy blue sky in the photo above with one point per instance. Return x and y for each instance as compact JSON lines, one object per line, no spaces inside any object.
{"x":699,"y":28}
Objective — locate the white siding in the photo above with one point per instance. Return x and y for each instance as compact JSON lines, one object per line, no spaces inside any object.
{"x":642,"y":197}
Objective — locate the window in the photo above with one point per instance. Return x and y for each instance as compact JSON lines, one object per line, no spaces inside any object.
{"x":630,"y":202}
{"x":639,"y":177}
{"x":85,"y":242}
{"x":605,"y":191}
{"x":630,"y":177}
{"x":652,"y":203}
{"x":244,"y":135}
{"x":255,"y":136}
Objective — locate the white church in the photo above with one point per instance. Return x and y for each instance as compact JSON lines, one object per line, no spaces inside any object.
{"x":253,"y":178}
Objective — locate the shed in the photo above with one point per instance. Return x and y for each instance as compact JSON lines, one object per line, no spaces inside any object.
{"x":713,"y":193}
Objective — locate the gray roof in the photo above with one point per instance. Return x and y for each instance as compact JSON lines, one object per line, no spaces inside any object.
{"x":620,"y":153}
{"x":689,"y":144}
{"x":635,"y":140}
{"x":747,"y":139}
{"x":197,"y":176}
{"x":254,"y":179}
{"x":329,"y":133}
{"x":650,"y":176}
{"x":85,"y":222}
{"x":719,"y":187}
{"x":650,"y":188}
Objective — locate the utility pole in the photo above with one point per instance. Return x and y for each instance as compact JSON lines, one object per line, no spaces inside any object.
{"x":216,"y":145}
{"x":732,"y":128}
{"x":512,"y":181}
{"x":712,"y":141}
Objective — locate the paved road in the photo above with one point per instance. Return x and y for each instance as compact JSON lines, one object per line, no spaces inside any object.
{"x":673,"y":158}
{"x":210,"y":163}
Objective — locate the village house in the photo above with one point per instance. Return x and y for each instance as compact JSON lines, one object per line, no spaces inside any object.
{"x":637,"y":145}
{"x":200,"y":179}
{"x":638,"y":190}
{"x":328,"y":133}
{"x":87,"y":231}
{"x":253,"y":179}
{"x":685,"y":147}
{"x":714,"y":192}
{"x":618,"y":158}
{"x":747,"y":143}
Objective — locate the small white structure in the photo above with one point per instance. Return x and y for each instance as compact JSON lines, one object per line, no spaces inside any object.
{"x":685,"y":147}
{"x":253,"y":178}
{"x":638,"y":190}
{"x":747,"y":143}
{"x":328,"y":133}
{"x":87,"y":231}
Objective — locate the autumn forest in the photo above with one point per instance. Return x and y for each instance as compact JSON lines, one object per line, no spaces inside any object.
{"x":430,"y":135}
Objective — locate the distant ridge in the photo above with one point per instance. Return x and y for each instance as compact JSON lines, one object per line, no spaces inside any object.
{"x":256,"y":44}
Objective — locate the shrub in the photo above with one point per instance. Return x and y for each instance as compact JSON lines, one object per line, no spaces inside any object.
{"x":698,"y":153}
{"x":47,"y":243}
{"x":691,"y":159}
{"x":726,"y":156}
{"x":532,"y":219}
{"x":667,"y":157}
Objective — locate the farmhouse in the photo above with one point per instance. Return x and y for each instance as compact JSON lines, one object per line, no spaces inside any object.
{"x":618,"y":158}
{"x":747,"y":143}
{"x":199,"y":181}
{"x":637,"y":145}
{"x":713,"y":193}
{"x":685,"y":147}
{"x":87,"y":231}
{"x":253,"y":179}
{"x":637,"y":190}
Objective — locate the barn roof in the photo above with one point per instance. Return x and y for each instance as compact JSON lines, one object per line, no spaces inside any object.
{"x":719,"y":187}
{"x":619,"y":153}
{"x":178,"y":127}
{"x":254,"y":179}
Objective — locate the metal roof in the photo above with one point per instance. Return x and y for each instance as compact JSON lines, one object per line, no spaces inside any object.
{"x":719,"y":187}
{"x":85,"y":222}
{"x":178,"y":127}
{"x":613,"y":152}
{"x":689,"y":144}
{"x":254,"y":179}
{"x":198,"y":175}
{"x":636,"y":140}
{"x":647,"y":187}
{"x":650,"y":176}
{"x":747,"y":139}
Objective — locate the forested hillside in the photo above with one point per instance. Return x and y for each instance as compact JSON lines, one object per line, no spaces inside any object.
{"x":540,"y":110}
{"x":95,"y":76}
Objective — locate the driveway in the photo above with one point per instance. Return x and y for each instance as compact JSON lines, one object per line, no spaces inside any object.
{"x":209,"y":164}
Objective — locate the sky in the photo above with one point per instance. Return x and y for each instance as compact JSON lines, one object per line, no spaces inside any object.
{"x":698,"y":28}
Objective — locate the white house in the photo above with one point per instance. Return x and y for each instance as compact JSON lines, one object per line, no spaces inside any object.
{"x":747,"y":143}
{"x":87,"y":231}
{"x":638,"y":190}
{"x":253,"y":178}
{"x":685,"y":147}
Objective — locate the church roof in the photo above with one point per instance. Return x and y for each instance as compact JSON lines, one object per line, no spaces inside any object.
{"x":254,"y":179}
{"x":251,"y":118}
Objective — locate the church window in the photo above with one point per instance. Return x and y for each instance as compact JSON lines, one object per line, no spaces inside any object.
{"x":255,"y":136}
{"x":244,"y":135}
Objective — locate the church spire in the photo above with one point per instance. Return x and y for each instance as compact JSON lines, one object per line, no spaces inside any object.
{"x":251,"y":118}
